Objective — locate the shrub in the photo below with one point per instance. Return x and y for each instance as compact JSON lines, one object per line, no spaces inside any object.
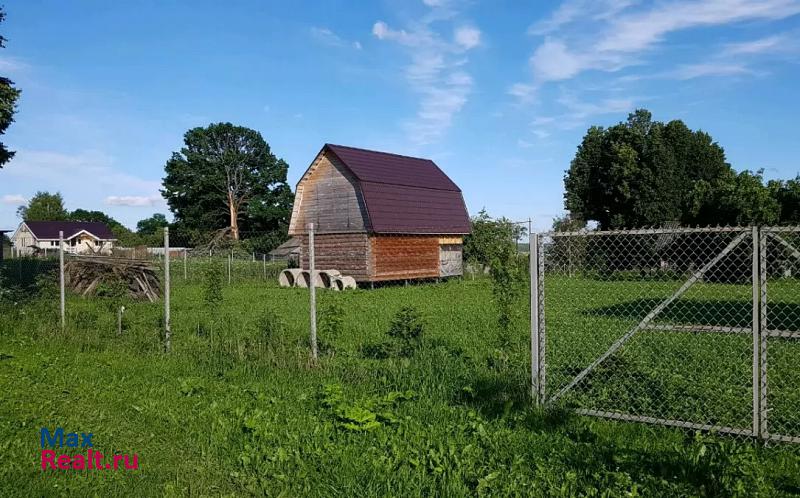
{"x":406,"y":328}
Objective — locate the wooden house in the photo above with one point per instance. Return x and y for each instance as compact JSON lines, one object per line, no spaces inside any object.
{"x":380,"y":216}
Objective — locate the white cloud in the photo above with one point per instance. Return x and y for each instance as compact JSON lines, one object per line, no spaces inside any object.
{"x":83,"y":178}
{"x":134,"y":200}
{"x":467,"y":37}
{"x":523,"y":92}
{"x":328,"y":37}
{"x":605,"y":42}
{"x":13,"y":199}
{"x":435,"y":72}
{"x":755,"y":46}
{"x":691,"y":71}
{"x":12,"y":65}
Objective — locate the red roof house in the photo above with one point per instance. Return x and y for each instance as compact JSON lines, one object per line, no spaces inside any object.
{"x":380,"y":216}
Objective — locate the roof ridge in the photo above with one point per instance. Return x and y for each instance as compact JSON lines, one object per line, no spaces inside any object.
{"x":380,"y":152}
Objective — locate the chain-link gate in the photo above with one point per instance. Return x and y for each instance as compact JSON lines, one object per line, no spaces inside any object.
{"x":672,"y":326}
{"x":780,"y":333}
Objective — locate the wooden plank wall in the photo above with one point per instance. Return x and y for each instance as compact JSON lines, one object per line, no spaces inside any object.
{"x":401,"y":257}
{"x":346,"y":252}
{"x":329,"y":197}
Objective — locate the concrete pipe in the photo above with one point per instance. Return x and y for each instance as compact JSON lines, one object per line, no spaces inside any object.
{"x":343,"y":283}
{"x":303,"y":279}
{"x":326,"y":278}
{"x":288,"y":277}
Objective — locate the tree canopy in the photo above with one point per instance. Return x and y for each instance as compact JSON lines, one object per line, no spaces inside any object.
{"x":9,"y":95}
{"x":226,"y":178}
{"x":44,"y":206}
{"x":645,"y":172}
{"x":152,"y":225}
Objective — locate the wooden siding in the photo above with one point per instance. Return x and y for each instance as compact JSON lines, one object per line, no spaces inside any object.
{"x":328,"y":195}
{"x":404,"y":257}
{"x":346,"y":252}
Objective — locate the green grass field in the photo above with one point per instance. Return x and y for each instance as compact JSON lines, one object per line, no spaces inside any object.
{"x":238,"y":409}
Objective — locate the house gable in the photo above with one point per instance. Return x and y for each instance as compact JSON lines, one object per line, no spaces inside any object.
{"x":329,"y":196}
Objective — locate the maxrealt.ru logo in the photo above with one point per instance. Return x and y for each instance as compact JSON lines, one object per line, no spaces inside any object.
{"x":92,"y":459}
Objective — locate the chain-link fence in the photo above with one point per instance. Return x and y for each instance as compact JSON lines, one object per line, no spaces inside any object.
{"x":672,"y":326}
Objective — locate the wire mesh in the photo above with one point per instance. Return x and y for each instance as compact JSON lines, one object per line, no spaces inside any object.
{"x":652,"y":325}
{"x":780,"y":343}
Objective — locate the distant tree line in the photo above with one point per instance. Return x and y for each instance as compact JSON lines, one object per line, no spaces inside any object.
{"x":647,"y":173}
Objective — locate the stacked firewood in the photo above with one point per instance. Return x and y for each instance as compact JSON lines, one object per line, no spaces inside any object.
{"x":85,"y":274}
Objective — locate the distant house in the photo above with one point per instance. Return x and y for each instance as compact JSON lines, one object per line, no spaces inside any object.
{"x":380,"y":216}
{"x":80,"y":237}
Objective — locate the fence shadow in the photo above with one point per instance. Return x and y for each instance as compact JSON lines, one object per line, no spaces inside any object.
{"x":733,"y":313}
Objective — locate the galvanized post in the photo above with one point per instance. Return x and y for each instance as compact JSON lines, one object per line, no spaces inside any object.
{"x":533,"y":256}
{"x":61,"y":278}
{"x":312,"y":291}
{"x":756,"y":275}
{"x":763,"y":327}
{"x":230,"y":262}
{"x":167,"y":329}
{"x":264,"y":263}
{"x":185,"y":271}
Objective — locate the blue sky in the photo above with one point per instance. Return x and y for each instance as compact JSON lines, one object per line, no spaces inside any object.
{"x":498,"y":93}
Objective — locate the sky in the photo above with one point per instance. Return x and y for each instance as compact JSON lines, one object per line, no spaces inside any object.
{"x":498,"y":93}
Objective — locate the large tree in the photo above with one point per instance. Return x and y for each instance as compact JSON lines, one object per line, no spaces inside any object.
{"x":643,"y":172}
{"x":152,"y":225}
{"x":44,"y":206}
{"x":226,"y":177}
{"x":8,"y":104}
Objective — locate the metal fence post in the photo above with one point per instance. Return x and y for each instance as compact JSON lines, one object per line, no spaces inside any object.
{"x":763,"y":327}
{"x":185,"y":271}
{"x":230,"y":262}
{"x":167,"y":330}
{"x":533,"y":255}
{"x":756,"y":276}
{"x":264,"y":261}
{"x":312,"y":291}
{"x":61,"y":278}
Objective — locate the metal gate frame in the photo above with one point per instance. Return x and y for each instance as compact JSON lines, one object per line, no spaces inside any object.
{"x":759,"y":329}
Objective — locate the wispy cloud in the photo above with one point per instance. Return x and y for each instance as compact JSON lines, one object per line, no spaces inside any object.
{"x":134,"y":200}
{"x":13,"y":199}
{"x":582,"y":36}
{"x":327,"y":37}
{"x":437,"y":70}
{"x":691,"y":71}
{"x":80,"y":178}
{"x":13,"y":65}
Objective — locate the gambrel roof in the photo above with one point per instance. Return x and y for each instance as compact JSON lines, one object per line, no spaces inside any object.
{"x":404,"y":194}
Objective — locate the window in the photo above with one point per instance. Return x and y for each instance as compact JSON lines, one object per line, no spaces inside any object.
{"x":97,"y":242}
{"x":53,"y":243}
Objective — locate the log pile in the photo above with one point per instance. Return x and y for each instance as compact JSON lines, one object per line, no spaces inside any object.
{"x":84,"y":274}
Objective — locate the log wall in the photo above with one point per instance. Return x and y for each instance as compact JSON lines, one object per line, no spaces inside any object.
{"x":346,"y":252}
{"x":401,"y":257}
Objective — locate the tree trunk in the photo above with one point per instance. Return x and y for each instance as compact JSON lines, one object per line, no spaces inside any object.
{"x":234,"y":217}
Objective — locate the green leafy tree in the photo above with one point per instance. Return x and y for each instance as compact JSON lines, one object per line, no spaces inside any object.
{"x":44,"y":206}
{"x":787,"y":193}
{"x":226,"y":177}
{"x":152,"y":225}
{"x":489,"y":237}
{"x":642,"y":172}
{"x":8,"y":104}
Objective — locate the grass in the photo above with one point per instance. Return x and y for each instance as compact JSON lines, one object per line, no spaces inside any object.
{"x":238,"y":409}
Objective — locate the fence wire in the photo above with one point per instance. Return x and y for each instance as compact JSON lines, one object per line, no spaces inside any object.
{"x":674,"y":326}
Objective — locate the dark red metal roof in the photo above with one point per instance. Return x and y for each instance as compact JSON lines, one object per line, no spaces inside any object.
{"x":383,"y":167}
{"x":405,"y":194}
{"x":50,"y":229}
